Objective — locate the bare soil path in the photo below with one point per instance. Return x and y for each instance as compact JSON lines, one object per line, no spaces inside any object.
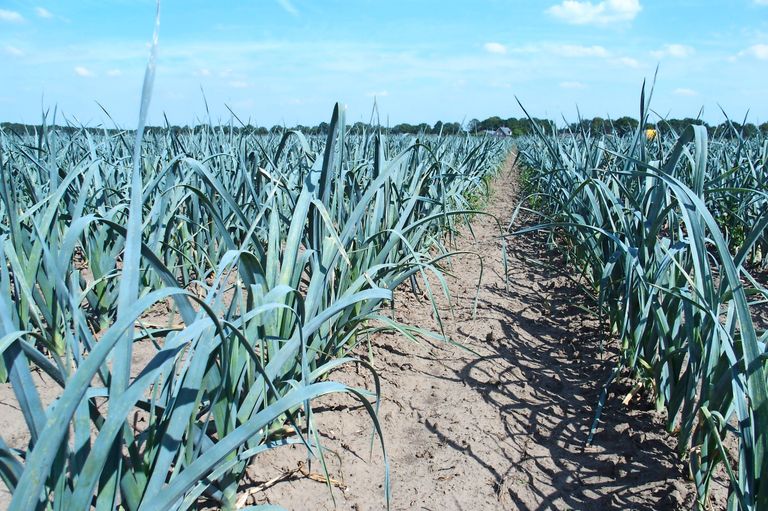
{"x":504,"y":429}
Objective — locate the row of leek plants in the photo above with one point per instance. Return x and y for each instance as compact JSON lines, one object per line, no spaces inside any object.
{"x":269,"y":258}
{"x":642,"y":223}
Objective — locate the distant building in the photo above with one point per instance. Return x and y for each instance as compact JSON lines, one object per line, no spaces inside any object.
{"x":499,"y":132}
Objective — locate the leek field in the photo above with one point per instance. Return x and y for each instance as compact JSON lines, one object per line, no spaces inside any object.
{"x":188,"y":294}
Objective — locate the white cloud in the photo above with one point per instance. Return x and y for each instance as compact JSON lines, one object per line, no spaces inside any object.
{"x":602,"y":13}
{"x":13,"y":51}
{"x":574,"y":50}
{"x":497,"y":48}
{"x":678,"y":51}
{"x":43,"y":12}
{"x":563,"y":50}
{"x":760,"y":2}
{"x":759,"y":51}
{"x":628,"y":62}
{"x":114,"y":72}
{"x":239,"y":84}
{"x":204,"y":71}
{"x":685,"y":92}
{"x":380,"y":94}
{"x":572,"y":85}
{"x":83,"y":71}
{"x":11,"y":16}
{"x":288,"y":7}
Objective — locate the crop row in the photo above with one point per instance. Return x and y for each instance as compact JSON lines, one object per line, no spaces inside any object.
{"x":669,"y":233}
{"x":208,"y":284}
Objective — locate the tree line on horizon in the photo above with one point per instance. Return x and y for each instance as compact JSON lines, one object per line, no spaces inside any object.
{"x":517,"y":127}
{"x":621,"y":126}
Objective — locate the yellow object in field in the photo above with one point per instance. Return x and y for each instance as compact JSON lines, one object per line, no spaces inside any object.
{"x":650,"y":134}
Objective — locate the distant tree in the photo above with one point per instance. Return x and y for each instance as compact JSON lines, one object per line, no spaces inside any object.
{"x":749,"y":130}
{"x":597,"y":126}
{"x":405,"y":128}
{"x":625,"y":125}
{"x":491,"y":123}
{"x":584,"y":125}
{"x":451,"y":128}
{"x":519,"y":127}
{"x":679,"y":125}
{"x":726,"y":129}
{"x":14,"y":127}
{"x":545,"y":125}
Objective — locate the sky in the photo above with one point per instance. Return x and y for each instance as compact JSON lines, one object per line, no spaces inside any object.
{"x":288,"y":61}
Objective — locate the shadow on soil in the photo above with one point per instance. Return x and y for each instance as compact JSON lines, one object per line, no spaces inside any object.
{"x":546,"y":393}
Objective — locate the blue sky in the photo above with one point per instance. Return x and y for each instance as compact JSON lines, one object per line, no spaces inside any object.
{"x":288,"y":61}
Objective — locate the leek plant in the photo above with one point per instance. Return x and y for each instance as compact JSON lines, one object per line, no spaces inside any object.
{"x":666,"y":232}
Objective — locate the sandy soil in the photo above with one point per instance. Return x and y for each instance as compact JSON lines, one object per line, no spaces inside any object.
{"x":505,"y":429}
